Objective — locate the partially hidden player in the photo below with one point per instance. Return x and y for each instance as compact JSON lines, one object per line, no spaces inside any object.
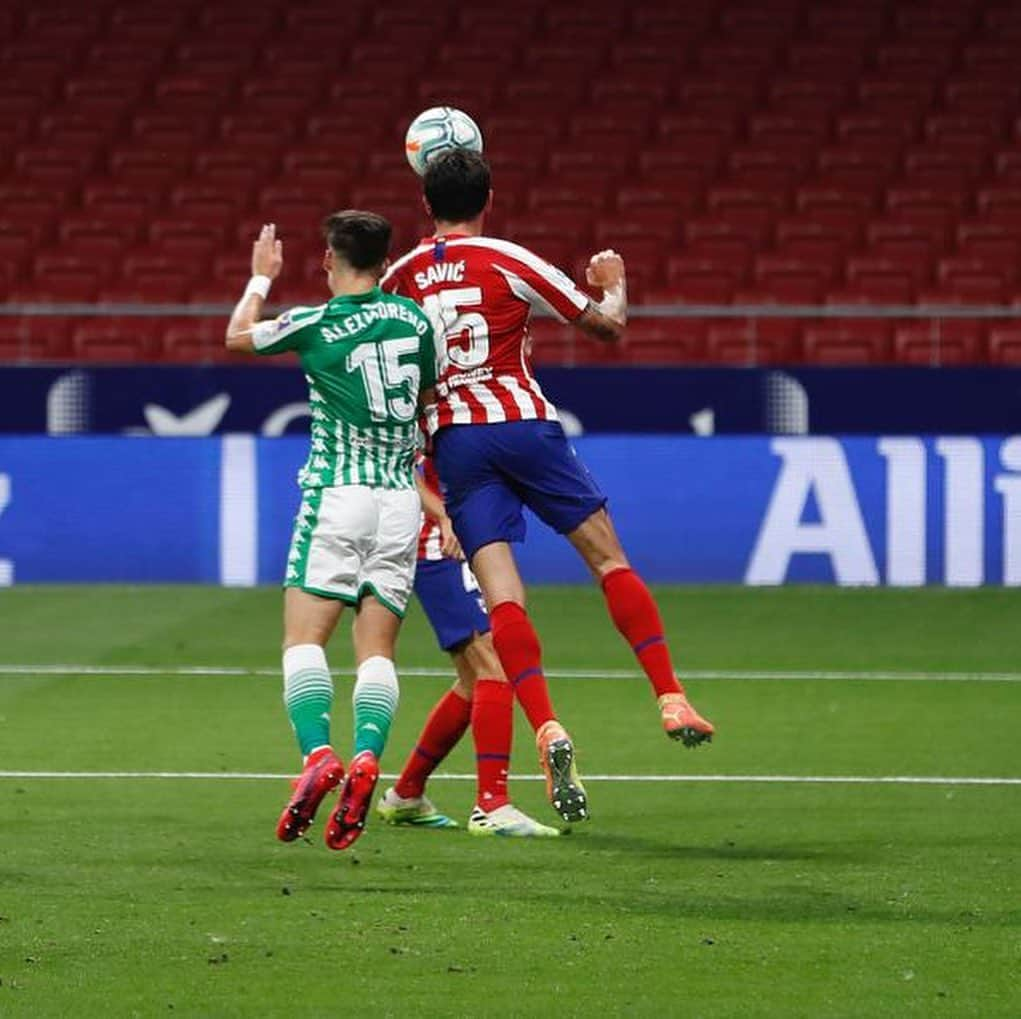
{"x":480,"y":698}
{"x":499,"y":446}
{"x":369,"y":359}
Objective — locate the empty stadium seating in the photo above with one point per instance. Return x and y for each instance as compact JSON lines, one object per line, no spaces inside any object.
{"x":785,"y":152}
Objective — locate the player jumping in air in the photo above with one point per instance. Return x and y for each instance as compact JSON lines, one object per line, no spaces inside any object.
{"x":369,"y":359}
{"x":480,"y":697}
{"x":499,"y":447}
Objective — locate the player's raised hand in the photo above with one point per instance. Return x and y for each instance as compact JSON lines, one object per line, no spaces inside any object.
{"x":605,"y":269}
{"x":267,"y":253}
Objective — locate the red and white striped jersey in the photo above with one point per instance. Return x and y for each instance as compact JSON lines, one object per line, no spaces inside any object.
{"x":479,"y":292}
{"x":429,"y":538}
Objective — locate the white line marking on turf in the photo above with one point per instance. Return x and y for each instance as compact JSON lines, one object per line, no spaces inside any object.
{"x":774,"y":779}
{"x":881,"y":675}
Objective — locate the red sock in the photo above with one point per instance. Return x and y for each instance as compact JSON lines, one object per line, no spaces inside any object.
{"x":520,"y":655}
{"x":492,"y":728}
{"x":443,"y":728}
{"x":634,"y":612}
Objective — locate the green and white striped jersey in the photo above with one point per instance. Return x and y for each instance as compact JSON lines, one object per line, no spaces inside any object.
{"x":366,"y":357}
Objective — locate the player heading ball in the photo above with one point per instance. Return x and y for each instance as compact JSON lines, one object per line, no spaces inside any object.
{"x":480,"y":292}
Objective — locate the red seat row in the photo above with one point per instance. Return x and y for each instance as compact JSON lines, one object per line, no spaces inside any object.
{"x":799,"y":152}
{"x":649,"y":341}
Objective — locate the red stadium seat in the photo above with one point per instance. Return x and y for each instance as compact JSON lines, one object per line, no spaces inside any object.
{"x":752,"y":342}
{"x":184,"y":239}
{"x":790,"y":281}
{"x":989,"y":242}
{"x":34,"y":338}
{"x":972,"y":281}
{"x":854,"y":341}
{"x":938,"y":342}
{"x":759,"y":167}
{"x":194,"y":341}
{"x":813,"y":242}
{"x":899,"y":97}
{"x":882,"y":280}
{"x":721,"y":241}
{"x":984,"y":97}
{"x":702,"y":281}
{"x":1001,"y":206}
{"x":1005,"y":345}
{"x":850,"y":169}
{"x":124,"y":340}
{"x":674,"y":341}
{"x":93,"y":237}
{"x":837,"y":210}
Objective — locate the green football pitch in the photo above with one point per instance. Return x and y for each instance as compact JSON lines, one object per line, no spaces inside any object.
{"x":143,"y":744}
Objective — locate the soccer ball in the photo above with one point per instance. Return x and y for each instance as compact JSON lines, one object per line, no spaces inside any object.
{"x":438,"y":130}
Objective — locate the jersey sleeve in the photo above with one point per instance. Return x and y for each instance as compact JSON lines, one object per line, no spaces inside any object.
{"x":542,"y":285}
{"x":391,"y":282}
{"x":427,"y":359}
{"x":286,"y":332}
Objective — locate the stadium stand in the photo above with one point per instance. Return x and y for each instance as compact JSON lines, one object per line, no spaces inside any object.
{"x":783,"y":152}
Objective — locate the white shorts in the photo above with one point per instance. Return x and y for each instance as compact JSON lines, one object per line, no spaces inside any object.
{"x":351,"y":540}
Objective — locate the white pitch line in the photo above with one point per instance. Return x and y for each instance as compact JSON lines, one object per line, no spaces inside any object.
{"x":770,"y":779}
{"x":881,"y":675}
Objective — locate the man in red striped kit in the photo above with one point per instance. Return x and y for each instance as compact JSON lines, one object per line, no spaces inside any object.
{"x":481,"y":698}
{"x":499,"y":446}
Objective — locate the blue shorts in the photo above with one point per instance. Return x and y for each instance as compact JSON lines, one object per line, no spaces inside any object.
{"x":452,"y":601}
{"x":489,"y":472}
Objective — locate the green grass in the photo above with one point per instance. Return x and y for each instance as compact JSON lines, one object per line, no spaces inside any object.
{"x":171,"y":897}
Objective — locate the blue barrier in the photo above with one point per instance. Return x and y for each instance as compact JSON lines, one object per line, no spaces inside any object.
{"x":893,"y":510}
{"x":272,"y":400}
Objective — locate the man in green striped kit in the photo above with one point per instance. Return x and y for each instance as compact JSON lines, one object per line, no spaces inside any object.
{"x":370,"y":362}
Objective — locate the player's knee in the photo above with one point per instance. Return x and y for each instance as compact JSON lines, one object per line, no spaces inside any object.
{"x":298,"y":636}
{"x":464,"y":687}
{"x":598,"y":544}
{"x":481,"y":658}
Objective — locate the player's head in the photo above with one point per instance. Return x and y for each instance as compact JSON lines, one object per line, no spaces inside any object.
{"x":457,"y":186}
{"x":358,"y":243}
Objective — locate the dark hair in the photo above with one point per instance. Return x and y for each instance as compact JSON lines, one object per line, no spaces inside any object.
{"x":456,"y":185}
{"x":362,"y":239}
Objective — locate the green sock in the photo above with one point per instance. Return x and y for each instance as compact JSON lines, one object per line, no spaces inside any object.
{"x":308,"y":695}
{"x":375,"y":702}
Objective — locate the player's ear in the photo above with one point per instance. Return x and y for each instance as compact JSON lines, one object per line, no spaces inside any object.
{"x":427,"y":207}
{"x":328,"y":260}
{"x":489,"y":201}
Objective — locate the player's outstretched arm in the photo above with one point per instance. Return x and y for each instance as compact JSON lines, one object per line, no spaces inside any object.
{"x":606,"y":319}
{"x":267,"y":261}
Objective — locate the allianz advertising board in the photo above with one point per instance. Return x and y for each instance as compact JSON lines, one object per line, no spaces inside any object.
{"x":876,"y":510}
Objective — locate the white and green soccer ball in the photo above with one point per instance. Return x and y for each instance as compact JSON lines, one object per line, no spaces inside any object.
{"x":438,"y":130}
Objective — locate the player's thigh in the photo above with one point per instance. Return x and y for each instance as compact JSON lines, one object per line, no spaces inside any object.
{"x":497,"y":573}
{"x":483,"y":505}
{"x":375,"y":630}
{"x":309,"y":618}
{"x":597,"y":543}
{"x":551,"y":479}
{"x":333,"y":532}
{"x":388,"y":569}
